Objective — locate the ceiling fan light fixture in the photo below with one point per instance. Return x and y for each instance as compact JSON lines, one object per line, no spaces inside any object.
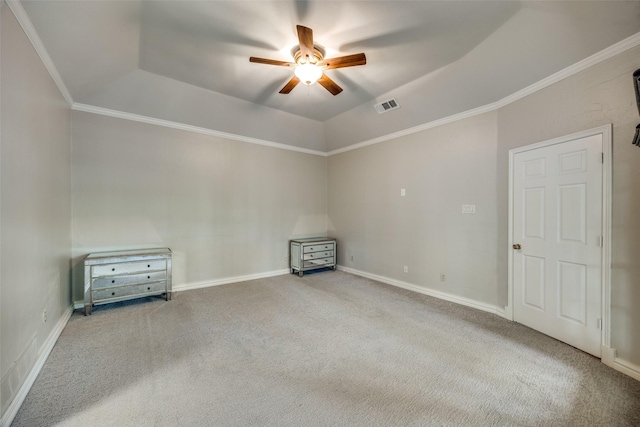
{"x":310,"y":63}
{"x":308,"y":73}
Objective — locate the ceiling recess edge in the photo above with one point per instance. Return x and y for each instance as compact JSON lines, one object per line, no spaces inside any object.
{"x":25,"y":22}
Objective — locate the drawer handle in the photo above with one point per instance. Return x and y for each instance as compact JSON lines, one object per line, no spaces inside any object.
{"x":149,"y":288}
{"x":148,"y":277}
{"x":113,"y":293}
{"x":149,"y":265}
{"x":113,"y":281}
{"x":310,"y":256}
{"x":113,"y":269}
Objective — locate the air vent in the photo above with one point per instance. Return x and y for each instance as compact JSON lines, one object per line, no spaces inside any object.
{"x":385,"y":106}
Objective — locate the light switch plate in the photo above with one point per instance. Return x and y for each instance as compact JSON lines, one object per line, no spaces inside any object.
{"x":403,"y":192}
{"x":468,"y":209}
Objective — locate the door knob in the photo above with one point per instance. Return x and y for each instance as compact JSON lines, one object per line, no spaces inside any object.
{"x":517,"y":246}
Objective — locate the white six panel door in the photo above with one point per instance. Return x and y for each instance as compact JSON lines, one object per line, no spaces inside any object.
{"x":557,"y":221}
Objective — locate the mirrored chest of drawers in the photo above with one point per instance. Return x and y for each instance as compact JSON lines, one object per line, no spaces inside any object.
{"x":311,"y":254}
{"x":124,"y":275}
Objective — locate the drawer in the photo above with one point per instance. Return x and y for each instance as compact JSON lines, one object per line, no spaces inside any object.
{"x":128,"y":267}
{"x":318,"y":248}
{"x":317,"y":255}
{"x":318,"y":262}
{"x":141,"y":278}
{"x":123,"y":291}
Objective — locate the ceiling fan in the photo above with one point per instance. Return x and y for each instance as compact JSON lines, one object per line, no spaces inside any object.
{"x":309,"y":63}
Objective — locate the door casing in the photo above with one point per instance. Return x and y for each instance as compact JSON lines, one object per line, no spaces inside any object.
{"x":606,"y":132}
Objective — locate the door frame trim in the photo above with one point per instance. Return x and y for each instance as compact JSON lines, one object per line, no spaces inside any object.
{"x":606,"y":131}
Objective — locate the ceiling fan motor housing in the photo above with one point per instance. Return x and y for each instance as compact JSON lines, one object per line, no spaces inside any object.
{"x":318,"y":55}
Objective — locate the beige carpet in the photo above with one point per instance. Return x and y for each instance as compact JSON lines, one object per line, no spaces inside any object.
{"x":326,"y":349}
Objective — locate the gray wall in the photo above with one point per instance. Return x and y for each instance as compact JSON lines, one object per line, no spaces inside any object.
{"x":225,"y":208}
{"x":35,"y":216}
{"x":441,"y":169}
{"x":467,"y":163}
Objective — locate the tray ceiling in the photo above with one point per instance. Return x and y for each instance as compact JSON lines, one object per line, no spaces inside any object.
{"x":98,"y":45}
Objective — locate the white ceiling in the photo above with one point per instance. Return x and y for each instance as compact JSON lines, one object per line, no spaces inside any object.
{"x":101,"y":48}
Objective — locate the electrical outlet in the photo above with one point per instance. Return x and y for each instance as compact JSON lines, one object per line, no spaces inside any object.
{"x":443,"y":278}
{"x":406,"y":268}
{"x":44,"y":316}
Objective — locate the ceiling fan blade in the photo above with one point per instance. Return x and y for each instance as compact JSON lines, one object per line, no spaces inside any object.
{"x":290,"y":85}
{"x":305,"y":38}
{"x":344,"y":61}
{"x":329,"y":85}
{"x":271,"y":62}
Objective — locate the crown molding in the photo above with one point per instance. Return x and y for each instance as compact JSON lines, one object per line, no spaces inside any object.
{"x":607,"y":53}
{"x":181,"y":126}
{"x":419,"y":128}
{"x":27,"y":26}
{"x":36,"y":42}
{"x":613,"y":50}
{"x":603,"y":55}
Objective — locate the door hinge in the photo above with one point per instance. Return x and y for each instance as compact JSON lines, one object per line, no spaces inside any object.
{"x":600,"y":241}
{"x":602,"y":158}
{"x":599,"y":323}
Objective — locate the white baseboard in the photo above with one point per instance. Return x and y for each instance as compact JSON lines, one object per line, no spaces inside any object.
{"x":437,"y":294}
{"x":609,"y":356}
{"x":227,"y":280}
{"x":14,"y":406}
{"x":611,"y":359}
